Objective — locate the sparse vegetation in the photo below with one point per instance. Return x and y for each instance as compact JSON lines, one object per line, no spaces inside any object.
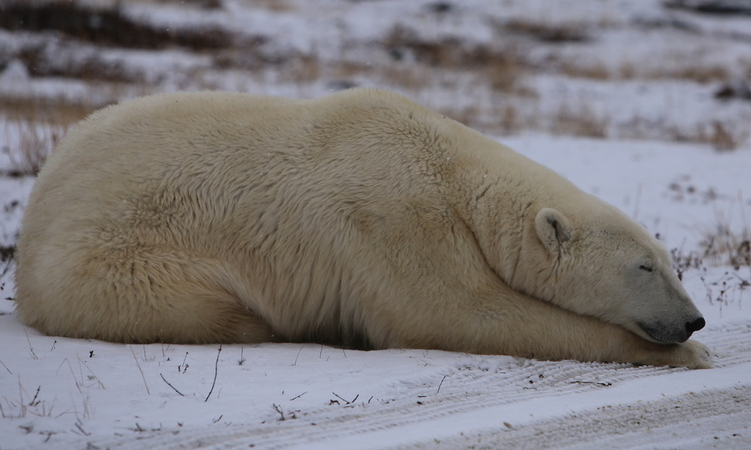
{"x":549,"y":32}
{"x":722,"y":136}
{"x":105,"y":25}
{"x":34,"y":144}
{"x":502,"y":67}
{"x":580,"y":120}
{"x":72,"y":40}
{"x":723,"y":246}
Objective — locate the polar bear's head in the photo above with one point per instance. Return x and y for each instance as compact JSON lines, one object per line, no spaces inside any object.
{"x":594,"y":260}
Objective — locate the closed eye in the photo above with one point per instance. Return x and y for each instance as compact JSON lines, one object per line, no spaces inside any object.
{"x":646,"y":268}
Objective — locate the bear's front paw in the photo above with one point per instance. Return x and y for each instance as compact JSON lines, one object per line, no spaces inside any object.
{"x":693,"y":355}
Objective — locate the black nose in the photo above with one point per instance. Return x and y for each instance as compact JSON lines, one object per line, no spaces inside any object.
{"x":696,"y":325}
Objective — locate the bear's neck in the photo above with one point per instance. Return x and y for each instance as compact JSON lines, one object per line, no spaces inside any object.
{"x":501,"y":194}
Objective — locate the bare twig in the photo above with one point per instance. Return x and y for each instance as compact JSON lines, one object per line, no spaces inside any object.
{"x":93,"y":376}
{"x":183,"y":367}
{"x":80,"y":428}
{"x":440,"y":384}
{"x":278,"y":409}
{"x":346,"y":401}
{"x":298,"y":355}
{"x":31,"y":348}
{"x":298,"y":396}
{"x":216,"y":370}
{"x":140,"y":370}
{"x":170,"y":385}
{"x":242,"y":358}
{"x":6,"y":368}
{"x":34,"y":401}
{"x":596,"y":383}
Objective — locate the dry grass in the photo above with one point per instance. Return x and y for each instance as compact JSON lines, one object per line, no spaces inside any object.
{"x":105,"y":25}
{"x":721,"y":136}
{"x":35,"y":143}
{"x":547,"y":32}
{"x":42,"y":62}
{"x":500,"y":67}
{"x":628,"y":70}
{"x":55,"y":111}
{"x":725,"y":247}
{"x":721,"y":245}
{"x":596,"y":71}
{"x":700,"y":73}
{"x":580,"y":120}
{"x":35,"y":127}
{"x":205,"y":4}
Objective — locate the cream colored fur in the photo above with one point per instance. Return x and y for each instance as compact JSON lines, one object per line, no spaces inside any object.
{"x":359,"y":219}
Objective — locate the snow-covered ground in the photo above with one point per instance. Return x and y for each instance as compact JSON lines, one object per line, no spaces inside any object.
{"x":637,"y":74}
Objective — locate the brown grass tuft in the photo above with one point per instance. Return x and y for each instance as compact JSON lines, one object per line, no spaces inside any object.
{"x":501,"y":67}
{"x":580,"y":121}
{"x":35,"y":143}
{"x":54,"y":111}
{"x":549,"y":32}
{"x":724,"y":246}
{"x":105,"y":25}
{"x":596,"y":71}
{"x":721,"y":136}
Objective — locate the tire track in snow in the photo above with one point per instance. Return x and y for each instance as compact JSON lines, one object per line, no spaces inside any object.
{"x":720,"y":418}
{"x":488,"y":383}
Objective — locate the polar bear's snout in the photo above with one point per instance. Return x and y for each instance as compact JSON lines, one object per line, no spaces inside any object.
{"x":664,"y":333}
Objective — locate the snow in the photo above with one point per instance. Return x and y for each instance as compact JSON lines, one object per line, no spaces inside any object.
{"x":65,"y":393}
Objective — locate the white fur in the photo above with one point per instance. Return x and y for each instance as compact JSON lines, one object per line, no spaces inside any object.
{"x":358,"y":219}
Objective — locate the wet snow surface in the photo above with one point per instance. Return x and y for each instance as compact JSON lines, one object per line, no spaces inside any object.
{"x":65,"y":393}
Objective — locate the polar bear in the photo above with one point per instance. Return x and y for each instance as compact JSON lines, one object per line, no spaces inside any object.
{"x":360,"y":219}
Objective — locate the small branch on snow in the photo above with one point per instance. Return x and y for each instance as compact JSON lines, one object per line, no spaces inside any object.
{"x":346,"y":401}
{"x":597,"y":383}
{"x":170,"y":385}
{"x":34,"y":401}
{"x":216,"y":370}
{"x":298,"y":396}
{"x":140,"y":370}
{"x":278,"y":409}
{"x":31,"y":349}
{"x":440,"y":384}
{"x":298,"y":355}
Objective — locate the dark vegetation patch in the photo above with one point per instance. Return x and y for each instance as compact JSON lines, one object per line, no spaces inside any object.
{"x":440,"y":7}
{"x":739,"y":89}
{"x":718,"y":7}
{"x":728,"y":247}
{"x":106,"y":26}
{"x":53,"y":111}
{"x":7,"y":252}
{"x":502,"y":64}
{"x":204,"y":4}
{"x":42,"y":60}
{"x":548,"y":32}
{"x":7,"y":258}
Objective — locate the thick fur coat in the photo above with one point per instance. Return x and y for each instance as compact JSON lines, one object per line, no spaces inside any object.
{"x":360,"y":219}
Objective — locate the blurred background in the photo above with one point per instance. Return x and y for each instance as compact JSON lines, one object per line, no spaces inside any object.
{"x":658,"y":70}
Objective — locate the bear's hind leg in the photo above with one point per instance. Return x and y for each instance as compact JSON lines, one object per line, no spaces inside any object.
{"x":143,"y":295}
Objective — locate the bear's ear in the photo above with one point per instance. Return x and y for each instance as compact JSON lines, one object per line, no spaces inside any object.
{"x":553,"y":229}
